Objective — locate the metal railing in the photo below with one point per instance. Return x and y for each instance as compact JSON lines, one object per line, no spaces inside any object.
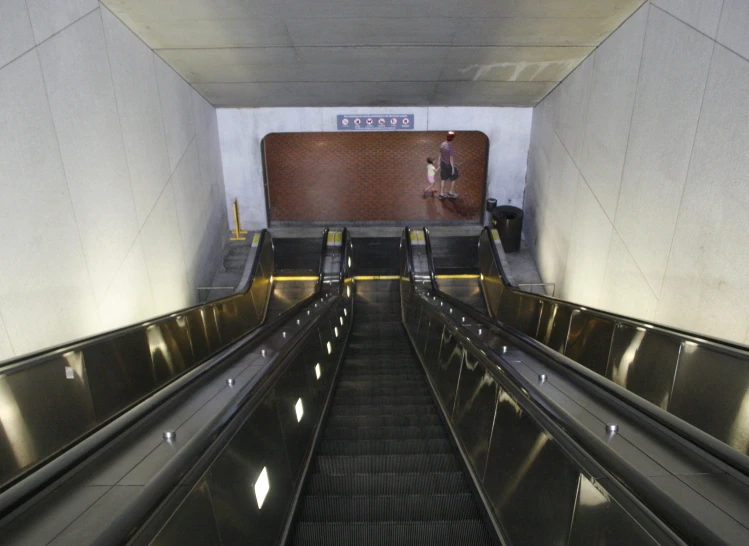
{"x":474,"y":363}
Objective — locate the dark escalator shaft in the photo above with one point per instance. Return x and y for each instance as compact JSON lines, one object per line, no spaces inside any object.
{"x":385,"y":471}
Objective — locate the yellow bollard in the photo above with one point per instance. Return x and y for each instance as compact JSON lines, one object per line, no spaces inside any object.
{"x":238,"y":232}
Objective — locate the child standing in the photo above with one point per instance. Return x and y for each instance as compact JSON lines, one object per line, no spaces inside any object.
{"x":431,"y":169}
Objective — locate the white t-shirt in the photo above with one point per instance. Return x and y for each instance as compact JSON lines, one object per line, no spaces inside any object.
{"x":431,"y":169}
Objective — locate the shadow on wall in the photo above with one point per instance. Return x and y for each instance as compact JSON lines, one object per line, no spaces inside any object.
{"x":370,"y":177}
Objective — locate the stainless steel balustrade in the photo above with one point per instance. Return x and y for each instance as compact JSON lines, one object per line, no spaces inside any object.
{"x":702,"y":381}
{"x":245,"y":490}
{"x":52,"y":399}
{"x":539,"y":486}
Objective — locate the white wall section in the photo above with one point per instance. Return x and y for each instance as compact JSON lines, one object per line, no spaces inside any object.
{"x":242,"y":130}
{"x":99,"y":137}
{"x":650,"y":135}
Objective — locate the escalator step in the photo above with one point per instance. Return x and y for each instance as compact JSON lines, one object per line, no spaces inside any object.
{"x":384,"y":420}
{"x":433,"y":483}
{"x":389,"y":464}
{"x":383,"y":433}
{"x":385,"y":399}
{"x":385,"y":447}
{"x":431,"y":533}
{"x":367,"y":410}
{"x":389,"y":508}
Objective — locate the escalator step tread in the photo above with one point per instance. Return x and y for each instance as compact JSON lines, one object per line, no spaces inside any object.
{"x":384,"y":420}
{"x":389,"y":508}
{"x":385,"y":471}
{"x":426,"y":483}
{"x":373,"y":464}
{"x":411,"y":446}
{"x":384,"y":433}
{"x":454,"y":533}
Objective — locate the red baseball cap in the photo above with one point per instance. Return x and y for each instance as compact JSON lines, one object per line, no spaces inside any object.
{"x":450,"y":135}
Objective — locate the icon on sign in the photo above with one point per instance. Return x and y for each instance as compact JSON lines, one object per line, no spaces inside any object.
{"x":357,"y":121}
{"x":405,"y":121}
{"x":393,"y":121}
{"x":369,"y":121}
{"x":344,"y":122}
{"x":381,"y":121}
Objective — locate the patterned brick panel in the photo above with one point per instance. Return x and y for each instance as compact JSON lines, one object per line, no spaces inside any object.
{"x":370,"y":177}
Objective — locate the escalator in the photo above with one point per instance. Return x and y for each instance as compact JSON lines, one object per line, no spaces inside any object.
{"x":455,"y":265}
{"x":385,"y":471}
{"x":390,"y":412}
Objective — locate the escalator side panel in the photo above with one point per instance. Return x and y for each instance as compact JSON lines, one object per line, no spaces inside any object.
{"x":258,"y":445}
{"x":600,"y":520}
{"x":703,"y":397}
{"x":448,"y":369}
{"x":643,"y":362}
{"x":528,"y":479}
{"x":589,"y":341}
{"x":477,"y":391}
{"x":554,"y":324}
{"x":196,"y":522}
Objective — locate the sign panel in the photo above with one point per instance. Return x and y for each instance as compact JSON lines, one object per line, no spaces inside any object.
{"x":381,"y":122}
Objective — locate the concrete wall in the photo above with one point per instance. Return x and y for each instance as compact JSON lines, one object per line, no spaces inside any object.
{"x":242,"y":130}
{"x":638,"y":178}
{"x":111,"y":190}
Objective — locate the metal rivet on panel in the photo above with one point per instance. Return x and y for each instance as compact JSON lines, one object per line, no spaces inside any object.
{"x":612,"y":428}
{"x":169,"y":435}
{"x":230,"y":382}
{"x":542,"y":377}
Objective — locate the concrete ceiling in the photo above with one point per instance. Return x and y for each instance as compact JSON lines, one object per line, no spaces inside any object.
{"x":242,"y":53}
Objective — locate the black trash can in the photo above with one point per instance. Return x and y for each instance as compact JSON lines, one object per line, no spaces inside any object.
{"x":509,"y":222}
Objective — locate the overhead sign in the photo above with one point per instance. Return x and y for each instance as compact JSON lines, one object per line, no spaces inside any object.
{"x":368,"y":122}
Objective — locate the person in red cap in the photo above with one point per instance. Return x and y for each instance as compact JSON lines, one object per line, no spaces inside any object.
{"x":447,"y":166}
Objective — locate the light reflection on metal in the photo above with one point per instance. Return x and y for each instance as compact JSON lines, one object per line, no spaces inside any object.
{"x":169,"y":435}
{"x":330,"y":348}
{"x":230,"y":382}
{"x":299,"y":408}
{"x":612,"y":428}
{"x":262,"y":487}
{"x":318,"y":371}
{"x":15,"y":427}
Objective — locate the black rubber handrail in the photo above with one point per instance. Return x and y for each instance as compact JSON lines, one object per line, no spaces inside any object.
{"x":691,"y":434}
{"x":722,"y":345}
{"x":17,"y":363}
{"x":198,"y":453}
{"x":323,"y":251}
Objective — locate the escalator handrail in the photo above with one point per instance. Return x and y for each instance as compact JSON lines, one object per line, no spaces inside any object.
{"x":696,"y":437}
{"x":196,"y":452}
{"x":15,"y":364}
{"x":722,"y":345}
{"x":409,"y":253}
{"x":48,"y":464}
{"x":430,"y":259}
{"x":34,"y":481}
{"x":321,"y":265}
{"x":558,"y":426}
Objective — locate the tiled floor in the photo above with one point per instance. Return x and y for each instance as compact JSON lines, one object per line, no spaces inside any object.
{"x":369,"y":177}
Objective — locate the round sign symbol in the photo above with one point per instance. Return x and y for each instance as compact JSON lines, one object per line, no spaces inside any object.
{"x":357,"y":121}
{"x":405,"y":121}
{"x":344,"y":122}
{"x":393,"y":121}
{"x":369,"y":121}
{"x":381,"y":121}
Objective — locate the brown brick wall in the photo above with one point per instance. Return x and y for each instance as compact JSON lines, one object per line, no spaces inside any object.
{"x":371,"y":177}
